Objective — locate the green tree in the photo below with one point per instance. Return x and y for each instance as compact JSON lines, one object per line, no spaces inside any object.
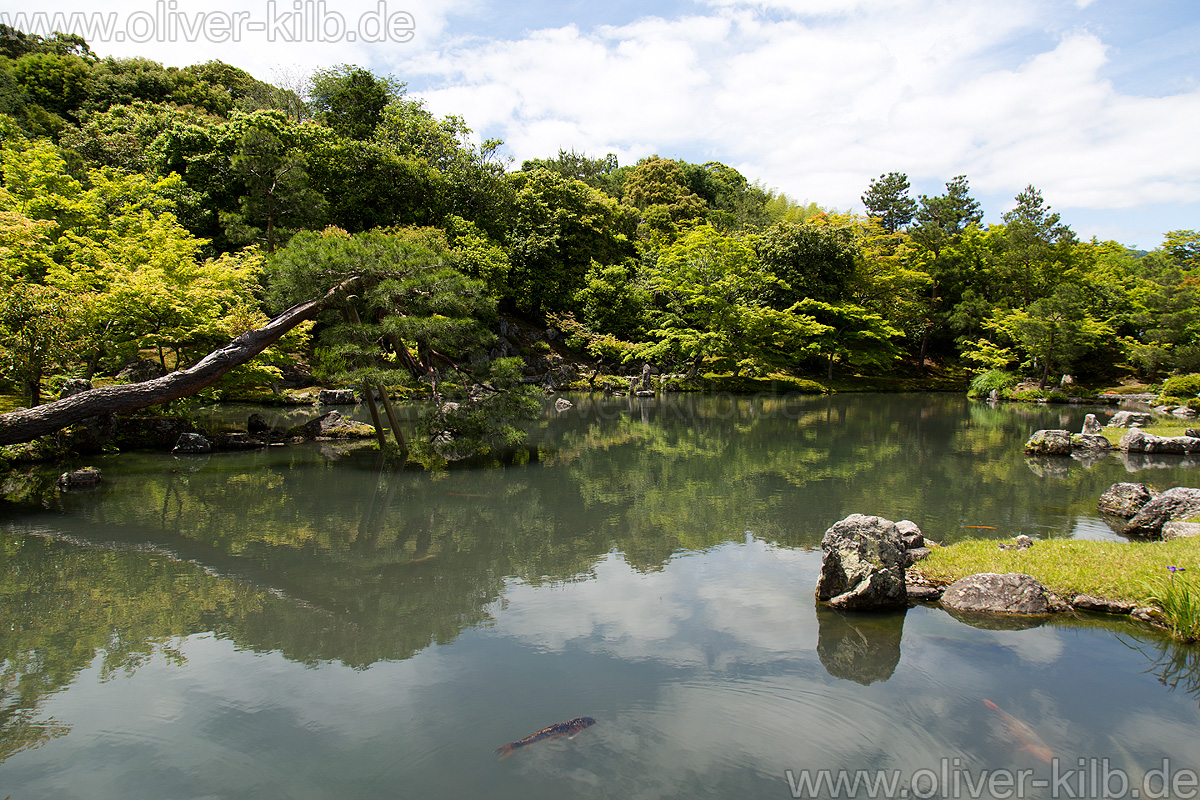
{"x":277,"y":198}
{"x":38,"y":335}
{"x":1055,"y":332}
{"x":887,"y":201}
{"x":351,"y":100}
{"x":1037,"y":246}
{"x":851,"y":334}
{"x":809,"y":259}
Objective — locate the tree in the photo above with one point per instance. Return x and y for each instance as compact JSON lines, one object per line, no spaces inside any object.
{"x":1036,"y":245}
{"x":887,"y":201}
{"x":850,"y":333}
{"x":276,"y":191}
{"x":38,"y":329}
{"x":809,"y":259}
{"x":1055,"y":332}
{"x":351,"y":100}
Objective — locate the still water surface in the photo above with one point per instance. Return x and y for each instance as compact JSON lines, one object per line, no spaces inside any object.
{"x":303,"y":622}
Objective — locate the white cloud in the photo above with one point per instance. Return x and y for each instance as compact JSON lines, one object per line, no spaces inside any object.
{"x":834,"y":93}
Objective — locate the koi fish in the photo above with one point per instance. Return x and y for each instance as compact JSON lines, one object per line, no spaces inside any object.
{"x":570,"y":729}
{"x":980,"y":527}
{"x":1023,"y":733}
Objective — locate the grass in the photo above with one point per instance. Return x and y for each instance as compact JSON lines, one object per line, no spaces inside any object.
{"x":1158,"y":429}
{"x":1136,"y":572}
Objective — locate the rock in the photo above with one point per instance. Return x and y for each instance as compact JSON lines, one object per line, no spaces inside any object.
{"x":74,"y":386}
{"x":1183,"y":412}
{"x":644,"y":393}
{"x":562,"y":404}
{"x":1086,"y":602}
{"x":925,"y":594}
{"x":1084,"y":443}
{"x":647,"y":384}
{"x":1091,"y":424}
{"x":80,"y":478}
{"x":911,"y":534}
{"x":1192,"y":432}
{"x":1174,"y":504}
{"x":257,"y":423}
{"x":994,"y":396}
{"x":863,"y":564}
{"x":1021,"y":542}
{"x":1130,"y":419}
{"x":996,"y":593}
{"x":1180,"y":530}
{"x":1049,"y":443}
{"x":139,"y":371}
{"x":1125,"y":499}
{"x":1138,"y":441}
{"x":1147,"y":614}
{"x":915,"y":554}
{"x":337,"y":397}
{"x":238,"y":441}
{"x":192,"y":444}
{"x":334,"y":426}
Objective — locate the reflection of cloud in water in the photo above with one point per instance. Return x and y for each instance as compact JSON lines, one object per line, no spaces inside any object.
{"x":1039,"y":646}
{"x":747,"y":602}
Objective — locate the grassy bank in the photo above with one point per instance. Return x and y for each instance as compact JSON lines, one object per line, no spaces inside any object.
{"x":1136,"y":572}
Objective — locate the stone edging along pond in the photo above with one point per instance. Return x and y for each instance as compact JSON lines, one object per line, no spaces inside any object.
{"x":870,"y":563}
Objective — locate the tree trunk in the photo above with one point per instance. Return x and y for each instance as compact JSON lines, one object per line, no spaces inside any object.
{"x":30,"y":423}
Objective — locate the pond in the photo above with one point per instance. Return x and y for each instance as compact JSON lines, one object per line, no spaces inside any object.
{"x":303,"y":622}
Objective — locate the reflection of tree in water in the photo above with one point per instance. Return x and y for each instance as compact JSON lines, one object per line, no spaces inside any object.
{"x":1175,"y":664}
{"x":859,"y":647}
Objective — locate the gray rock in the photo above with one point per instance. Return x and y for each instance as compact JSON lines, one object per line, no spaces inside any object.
{"x":1183,"y":412}
{"x":238,"y":441}
{"x":257,"y":423}
{"x":994,"y":396}
{"x":1138,"y":441}
{"x":1125,"y":499}
{"x":997,"y":593}
{"x":911,"y":534}
{"x":1180,"y":530}
{"x":80,"y":479}
{"x":1130,"y":419}
{"x":863,"y":564}
{"x":1087,"y":602}
{"x":334,"y":426}
{"x":1091,"y":424}
{"x":192,"y":444}
{"x":1083,"y":443}
{"x":915,"y":554}
{"x":1179,"y":503}
{"x":74,"y":386}
{"x":337,"y":397}
{"x":562,"y":404}
{"x":925,"y":594}
{"x":1049,"y":443}
{"x":647,"y":383}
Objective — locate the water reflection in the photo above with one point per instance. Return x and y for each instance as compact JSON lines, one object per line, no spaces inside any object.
{"x":287,"y":624}
{"x":863,"y":648}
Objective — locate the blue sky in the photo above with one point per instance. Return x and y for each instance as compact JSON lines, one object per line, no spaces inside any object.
{"x":1095,"y":102}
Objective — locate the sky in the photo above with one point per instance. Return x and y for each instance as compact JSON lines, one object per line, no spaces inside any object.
{"x":1094,"y":102}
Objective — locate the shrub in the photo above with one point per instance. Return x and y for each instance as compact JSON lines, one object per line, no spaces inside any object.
{"x":1180,"y":603}
{"x":1182,"y":386}
{"x":984,"y":383}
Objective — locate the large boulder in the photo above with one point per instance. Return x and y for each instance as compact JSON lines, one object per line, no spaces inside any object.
{"x":334,"y":426}
{"x":863,"y":564}
{"x":1125,"y":499}
{"x":1179,"y":503}
{"x":1091,"y":424}
{"x":1130,"y":419}
{"x":140,"y":371}
{"x":74,"y":386}
{"x":997,"y":593}
{"x":1138,"y":441}
{"x":1049,"y":443}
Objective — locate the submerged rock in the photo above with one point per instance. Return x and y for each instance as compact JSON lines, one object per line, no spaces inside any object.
{"x":1179,"y":503}
{"x":863,"y":564}
{"x":997,"y":593}
{"x":1125,"y":499}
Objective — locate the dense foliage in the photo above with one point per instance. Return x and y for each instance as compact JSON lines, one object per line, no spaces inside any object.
{"x":154,"y":212}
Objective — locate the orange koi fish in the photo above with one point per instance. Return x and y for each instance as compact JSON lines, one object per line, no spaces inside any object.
{"x":980,"y":527}
{"x":570,"y":729}
{"x":1023,"y":733}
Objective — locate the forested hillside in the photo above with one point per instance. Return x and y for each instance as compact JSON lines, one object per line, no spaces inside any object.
{"x":158,"y":211}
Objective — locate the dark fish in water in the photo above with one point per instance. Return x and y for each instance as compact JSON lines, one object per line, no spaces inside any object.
{"x":569,"y":729}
